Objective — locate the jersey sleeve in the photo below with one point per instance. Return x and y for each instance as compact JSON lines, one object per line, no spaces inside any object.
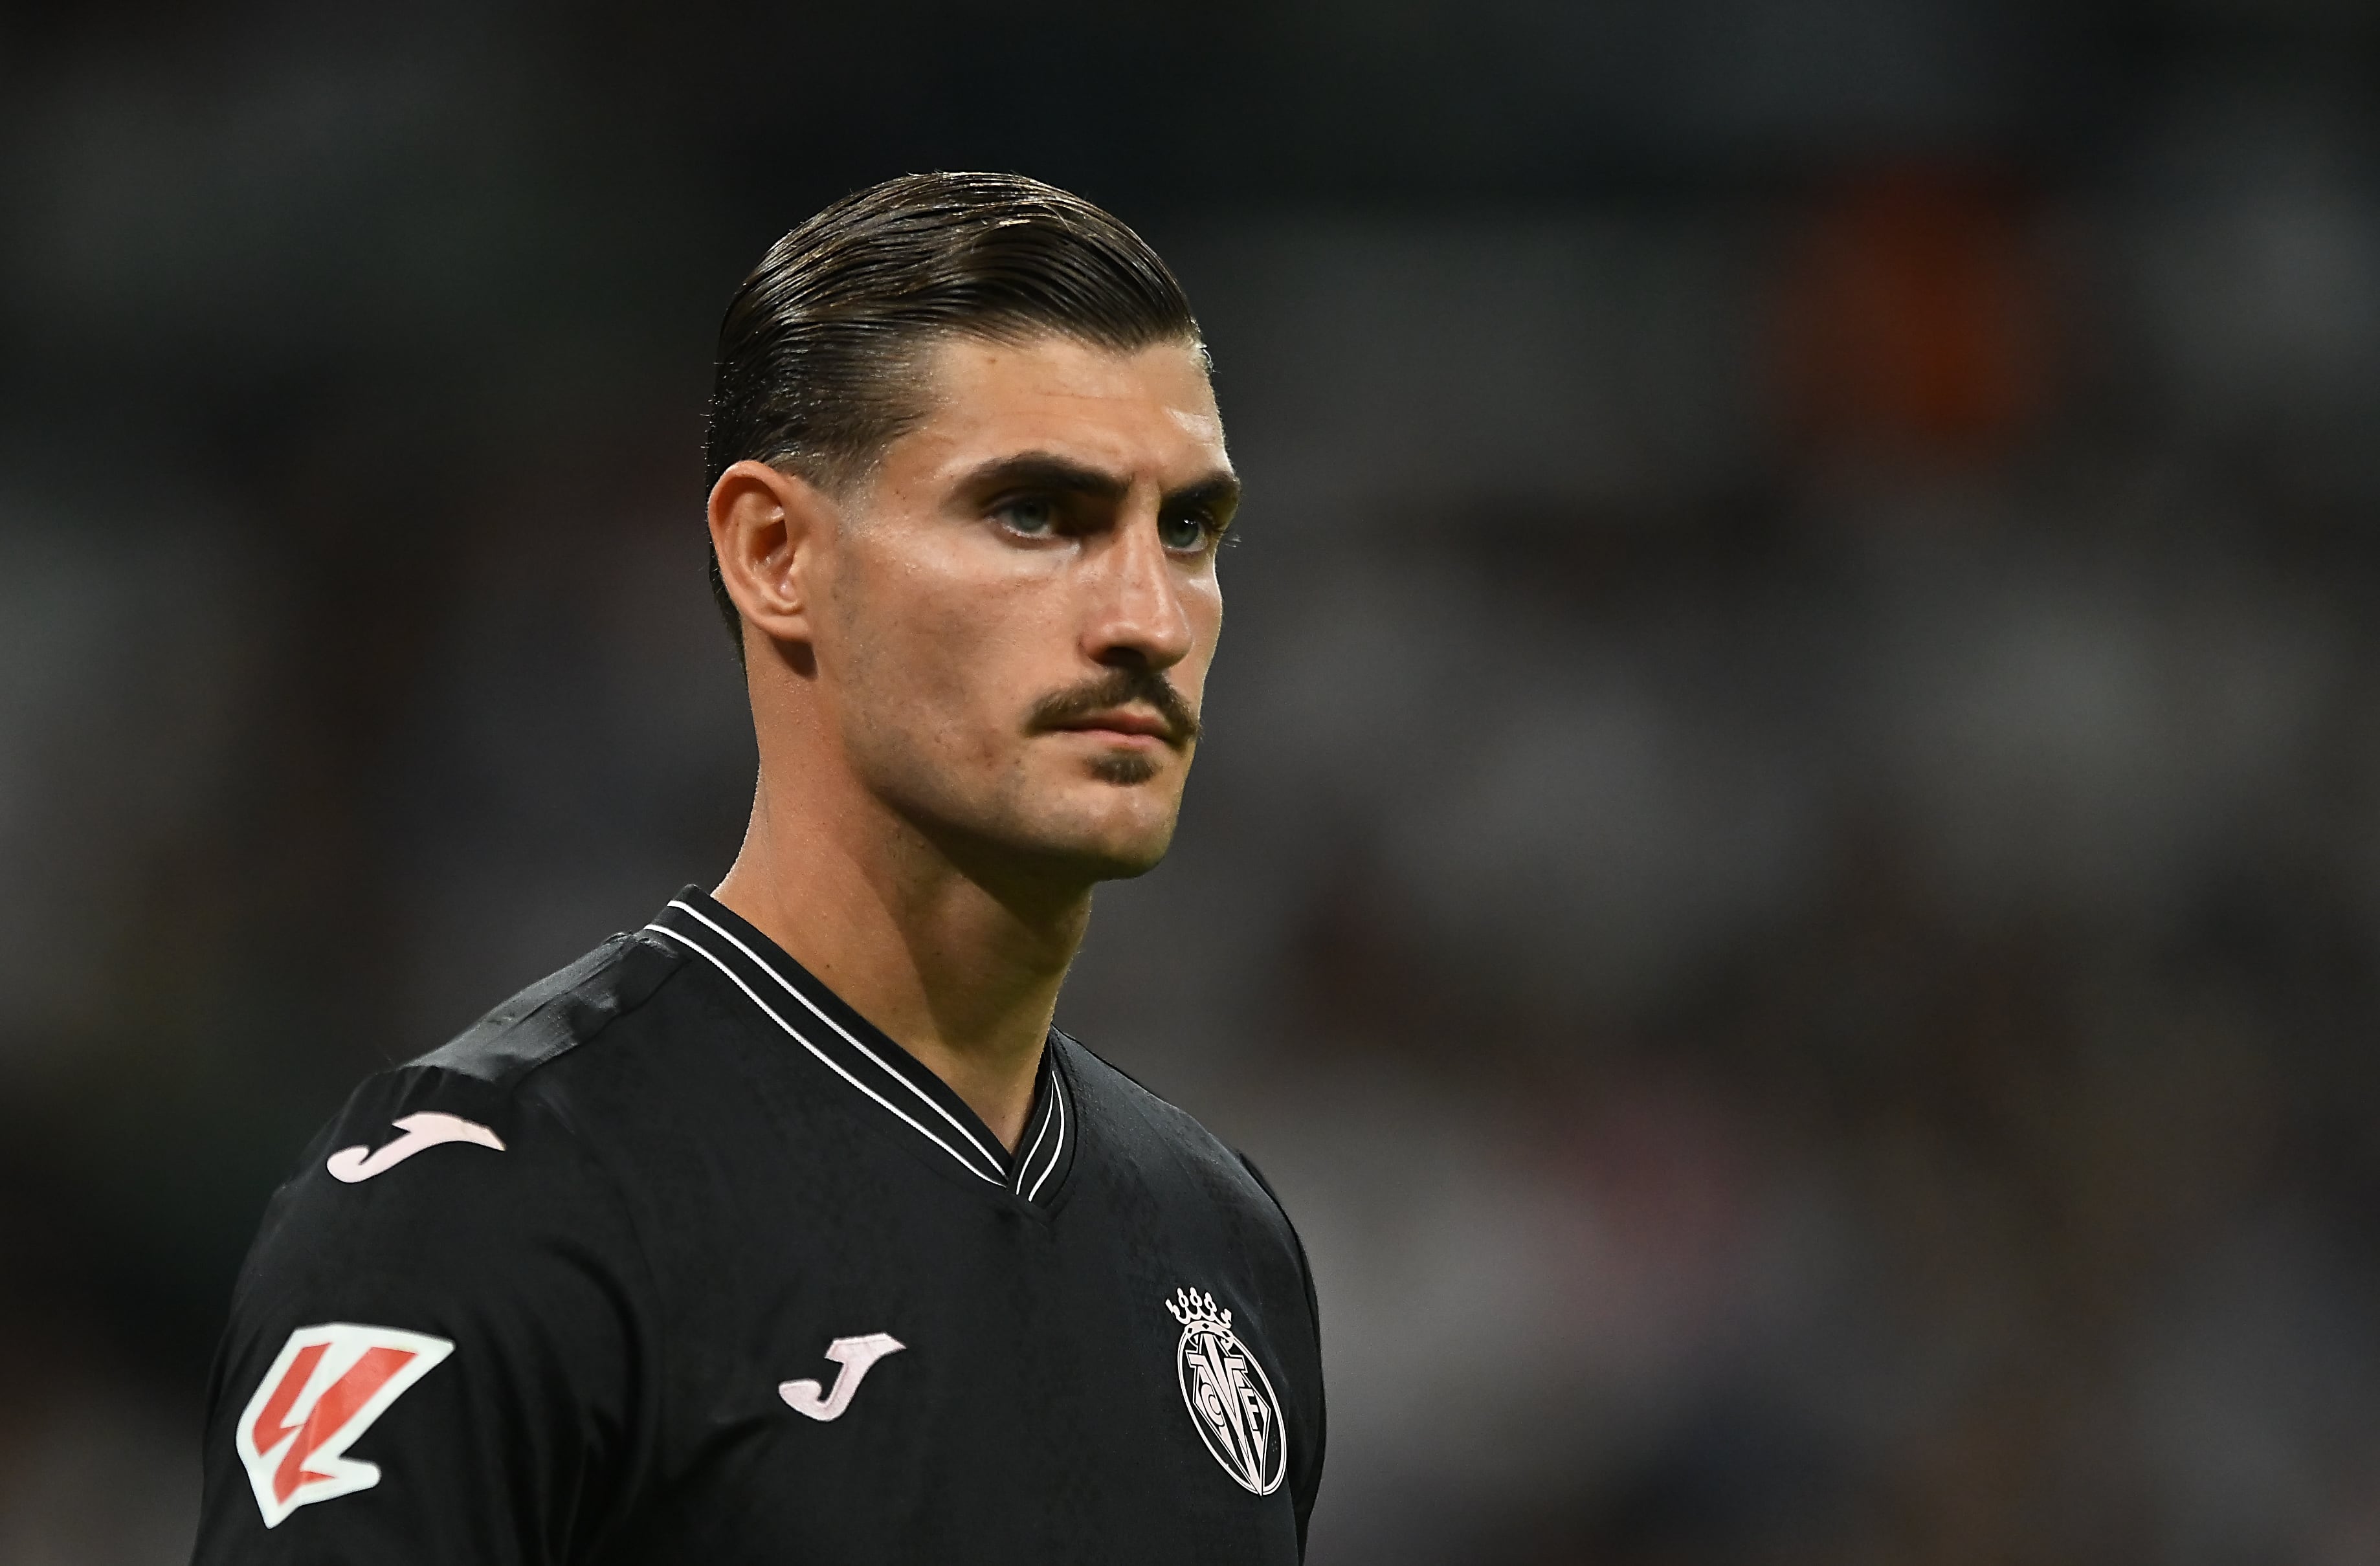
{"x":1305,"y":1460}
{"x":437,"y":1347}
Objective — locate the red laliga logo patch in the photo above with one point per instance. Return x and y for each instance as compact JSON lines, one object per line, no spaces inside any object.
{"x":326,"y":1387}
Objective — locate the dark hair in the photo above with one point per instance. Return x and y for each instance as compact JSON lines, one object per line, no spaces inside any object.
{"x":820,"y":349}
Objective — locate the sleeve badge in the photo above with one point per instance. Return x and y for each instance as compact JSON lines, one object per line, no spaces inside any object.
{"x":326,"y":1387}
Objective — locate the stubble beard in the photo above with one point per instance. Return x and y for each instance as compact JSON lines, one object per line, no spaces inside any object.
{"x":1123,"y":771}
{"x":1029,"y":827}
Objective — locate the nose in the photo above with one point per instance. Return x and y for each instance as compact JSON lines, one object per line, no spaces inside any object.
{"x":1137,"y":617}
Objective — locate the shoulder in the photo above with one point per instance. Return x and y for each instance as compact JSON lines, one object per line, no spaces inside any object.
{"x":1140,"y":1113}
{"x":558,"y":1013}
{"x":1153,"y":1130}
{"x":517,"y":1066}
{"x":480,"y":1144}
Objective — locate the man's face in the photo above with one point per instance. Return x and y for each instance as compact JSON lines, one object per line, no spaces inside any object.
{"x":1020,"y":607}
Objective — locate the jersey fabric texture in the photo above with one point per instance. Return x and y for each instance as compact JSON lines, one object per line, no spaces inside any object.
{"x":674,"y":1259}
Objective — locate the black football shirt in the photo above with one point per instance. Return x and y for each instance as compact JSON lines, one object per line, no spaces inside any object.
{"x":674,"y":1259}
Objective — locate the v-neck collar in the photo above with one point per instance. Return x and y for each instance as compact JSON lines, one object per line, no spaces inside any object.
{"x":896,"y":1081}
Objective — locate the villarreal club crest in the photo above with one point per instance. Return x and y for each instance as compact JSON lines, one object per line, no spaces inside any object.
{"x":1226,"y":1393}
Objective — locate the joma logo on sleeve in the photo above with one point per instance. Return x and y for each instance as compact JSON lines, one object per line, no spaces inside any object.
{"x":427,"y":1129}
{"x":326,"y":1387}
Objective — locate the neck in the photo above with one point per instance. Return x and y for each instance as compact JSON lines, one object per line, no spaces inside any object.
{"x":959,"y":968}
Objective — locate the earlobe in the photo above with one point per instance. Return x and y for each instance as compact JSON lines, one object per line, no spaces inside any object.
{"x":764,"y":527}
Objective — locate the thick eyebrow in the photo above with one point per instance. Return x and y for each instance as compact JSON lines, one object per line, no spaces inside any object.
{"x":1217,"y":496}
{"x":1218,"y":493}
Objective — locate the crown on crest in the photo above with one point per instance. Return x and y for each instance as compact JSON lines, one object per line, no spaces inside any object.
{"x":1194,"y":1309}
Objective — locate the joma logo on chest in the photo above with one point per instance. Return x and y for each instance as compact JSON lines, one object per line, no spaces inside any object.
{"x":857,"y":1356}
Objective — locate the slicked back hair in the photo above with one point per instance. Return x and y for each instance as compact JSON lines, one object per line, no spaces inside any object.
{"x":822,"y":350}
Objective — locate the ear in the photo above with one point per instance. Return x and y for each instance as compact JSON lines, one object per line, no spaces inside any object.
{"x":767,"y":527}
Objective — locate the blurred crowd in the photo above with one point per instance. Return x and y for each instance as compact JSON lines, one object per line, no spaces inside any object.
{"x":1785,"y":871}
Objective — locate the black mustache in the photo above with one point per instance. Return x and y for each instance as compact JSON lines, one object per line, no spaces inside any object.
{"x":1120,"y":688}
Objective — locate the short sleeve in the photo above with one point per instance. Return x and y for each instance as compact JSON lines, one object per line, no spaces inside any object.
{"x":1305,"y":1469}
{"x":438,"y":1346}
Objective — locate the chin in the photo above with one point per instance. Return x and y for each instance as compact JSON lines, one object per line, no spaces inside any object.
{"x":1126,"y":866}
{"x":1118,"y":856}
{"x":1118,"y":837}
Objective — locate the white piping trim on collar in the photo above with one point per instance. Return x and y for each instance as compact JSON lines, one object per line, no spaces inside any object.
{"x":707,"y":955}
{"x":1026,"y":1161}
{"x":922,"y":1096}
{"x":1057,"y":1086}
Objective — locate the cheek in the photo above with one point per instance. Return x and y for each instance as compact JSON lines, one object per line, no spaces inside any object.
{"x":947,"y":656}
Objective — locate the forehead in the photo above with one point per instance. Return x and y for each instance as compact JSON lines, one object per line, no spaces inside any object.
{"x":1149,"y":412}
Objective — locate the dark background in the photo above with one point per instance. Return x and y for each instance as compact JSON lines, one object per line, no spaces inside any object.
{"x":1785,"y":874}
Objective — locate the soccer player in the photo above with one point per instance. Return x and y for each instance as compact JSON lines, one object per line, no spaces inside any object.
{"x":788,"y":1228}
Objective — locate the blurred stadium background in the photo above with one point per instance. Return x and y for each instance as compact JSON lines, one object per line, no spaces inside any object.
{"x":1787,"y":871}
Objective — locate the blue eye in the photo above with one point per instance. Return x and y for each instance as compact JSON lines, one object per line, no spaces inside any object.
{"x":1028,"y":514}
{"x":1182,"y":532}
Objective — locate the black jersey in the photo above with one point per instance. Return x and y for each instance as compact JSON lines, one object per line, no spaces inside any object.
{"x":675,"y":1258}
